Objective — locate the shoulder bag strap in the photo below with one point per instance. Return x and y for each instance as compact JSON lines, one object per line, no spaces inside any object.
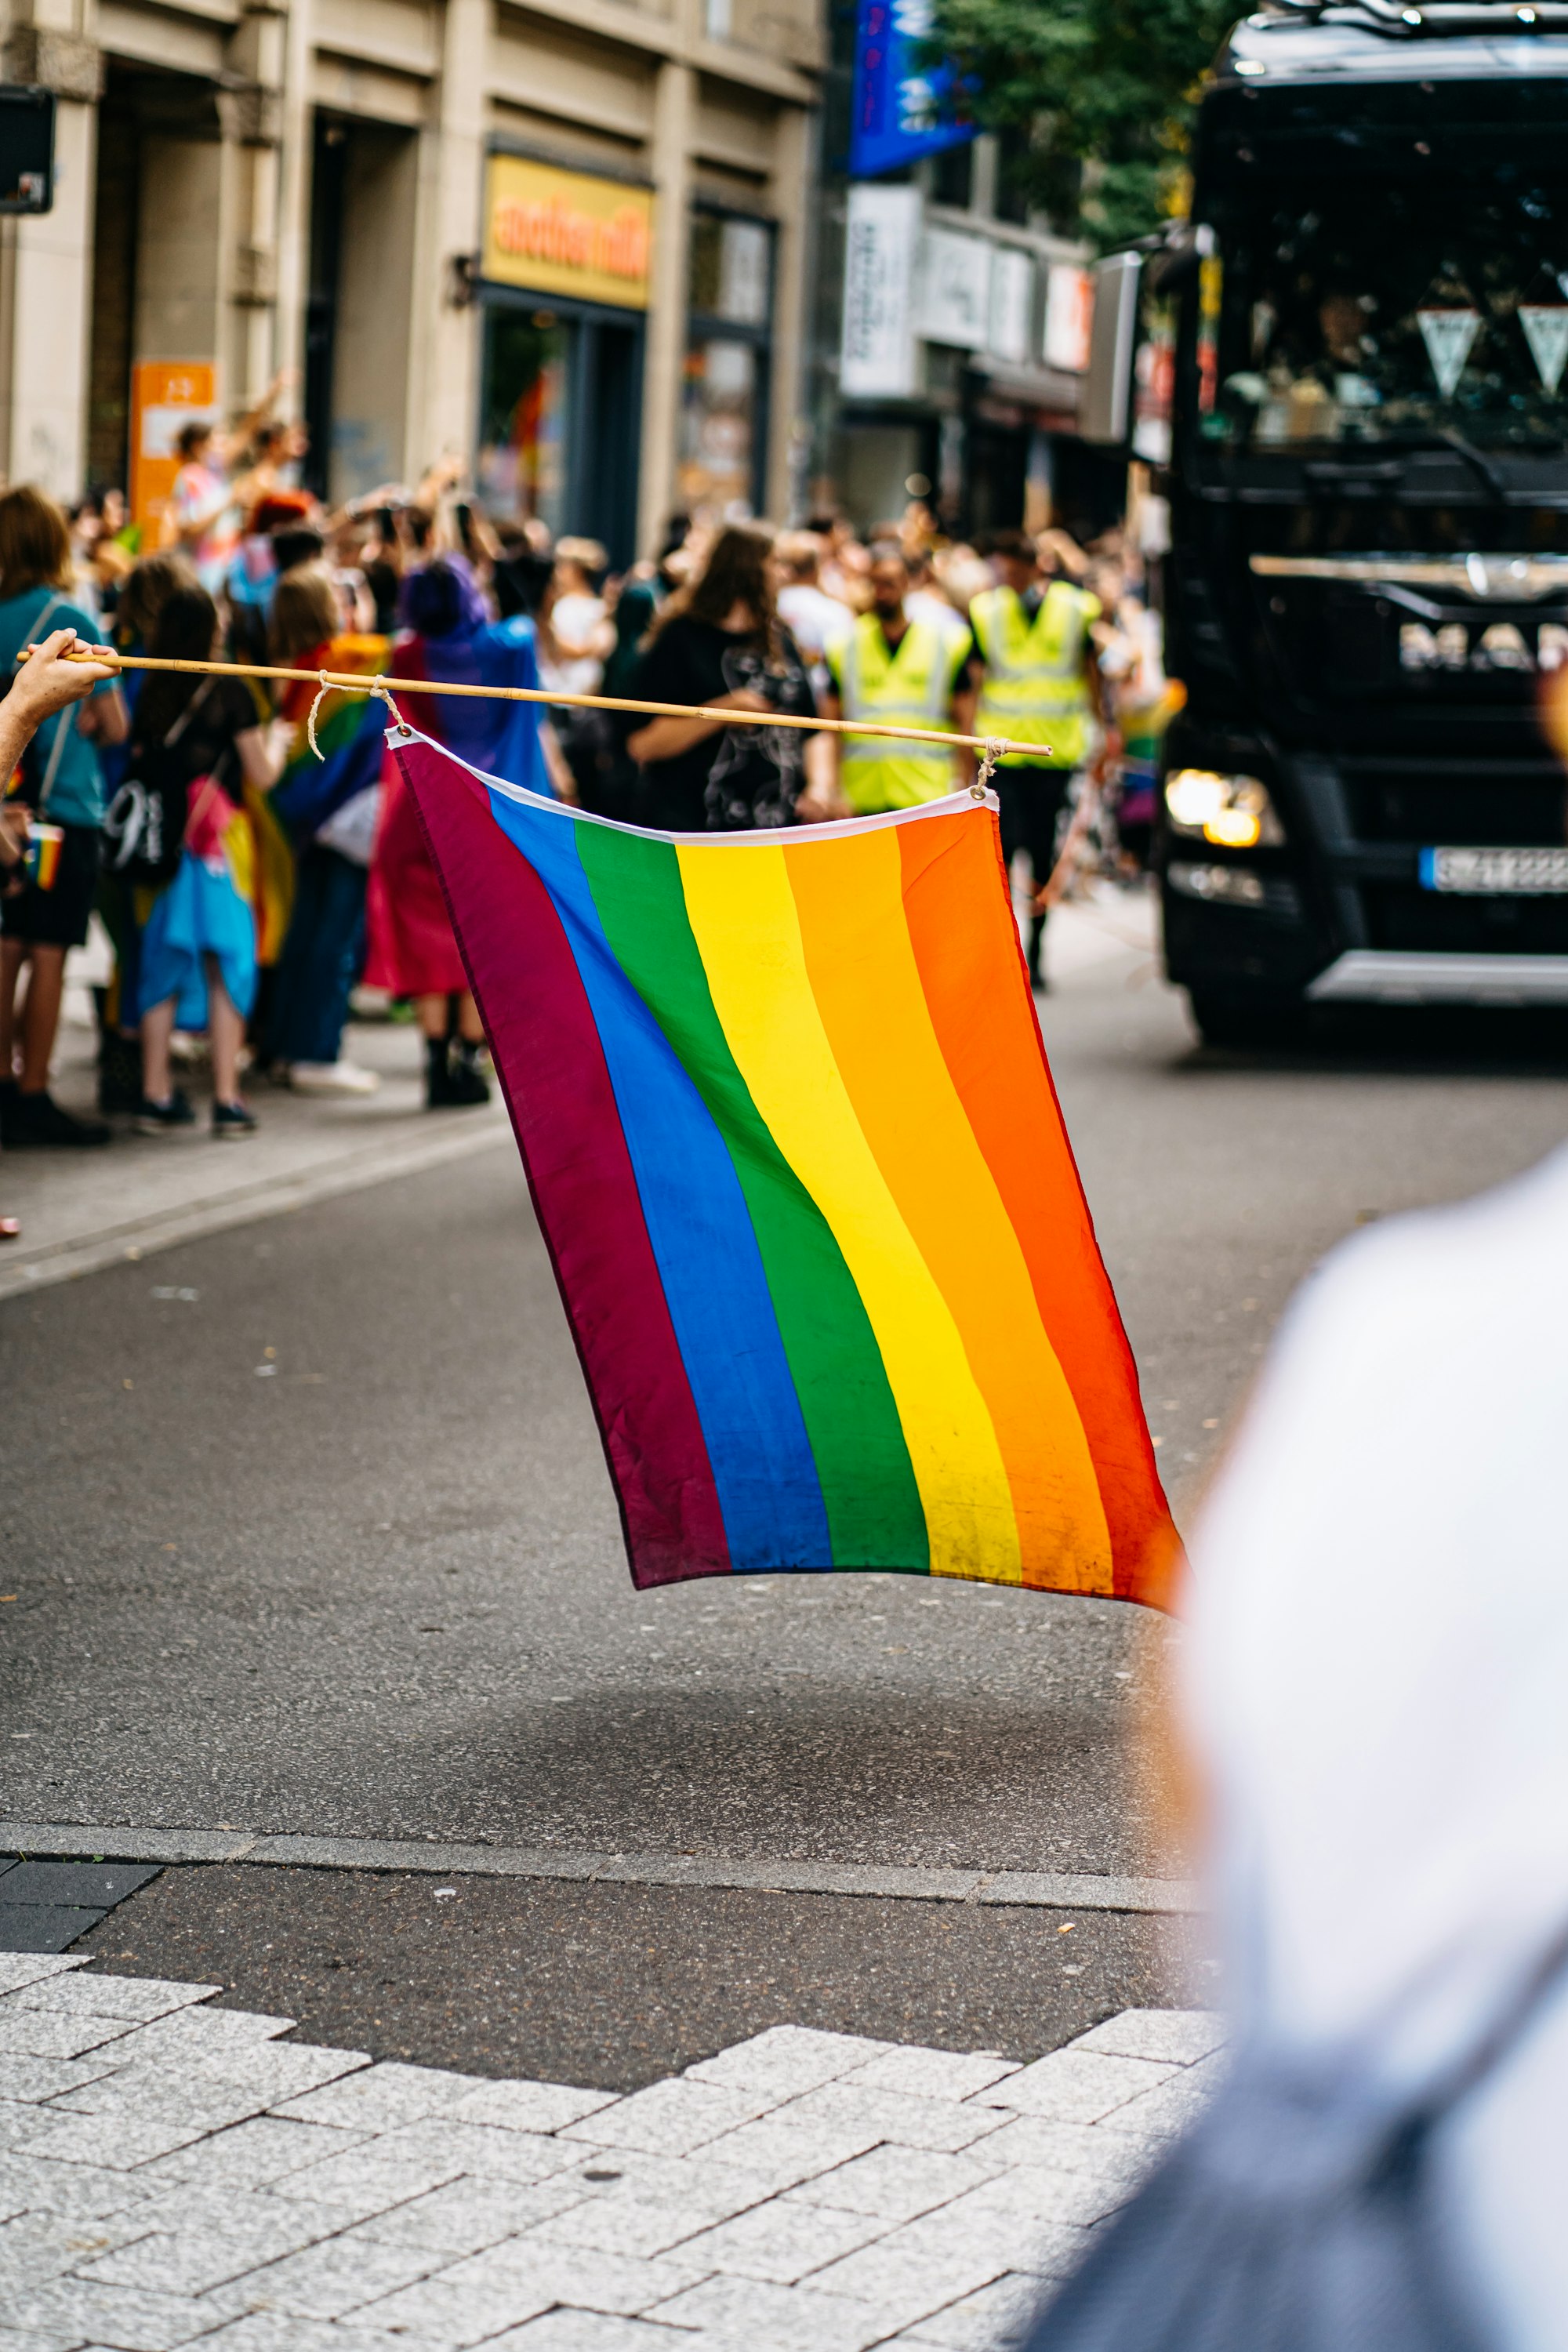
{"x":1537,"y":1981}
{"x":57,"y":740}
{"x":188,"y":713}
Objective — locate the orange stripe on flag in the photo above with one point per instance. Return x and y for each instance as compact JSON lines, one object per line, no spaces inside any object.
{"x":875,"y":1013}
{"x":977,"y":991}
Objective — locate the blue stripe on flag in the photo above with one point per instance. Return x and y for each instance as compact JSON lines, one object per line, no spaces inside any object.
{"x":702,"y":1233}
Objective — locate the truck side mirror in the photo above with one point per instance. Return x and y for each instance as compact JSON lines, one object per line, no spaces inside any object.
{"x":1105,"y":404}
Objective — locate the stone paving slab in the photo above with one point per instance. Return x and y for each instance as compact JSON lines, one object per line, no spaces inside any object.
{"x":803,"y":2191}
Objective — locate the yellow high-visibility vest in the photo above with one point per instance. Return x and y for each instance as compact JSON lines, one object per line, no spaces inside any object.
{"x":911,"y":685}
{"x":1035,"y":688}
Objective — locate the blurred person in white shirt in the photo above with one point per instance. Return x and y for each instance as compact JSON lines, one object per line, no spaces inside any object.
{"x":814,"y":619}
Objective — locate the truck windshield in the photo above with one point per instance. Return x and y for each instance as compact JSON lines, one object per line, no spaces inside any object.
{"x":1389,"y":305}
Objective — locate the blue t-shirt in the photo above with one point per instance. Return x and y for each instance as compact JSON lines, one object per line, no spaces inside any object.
{"x":75,"y":796}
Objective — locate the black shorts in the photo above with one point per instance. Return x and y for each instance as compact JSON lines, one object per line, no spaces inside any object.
{"x":56,"y":918}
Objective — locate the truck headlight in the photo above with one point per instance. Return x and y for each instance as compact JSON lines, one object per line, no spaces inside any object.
{"x":1233,"y":812}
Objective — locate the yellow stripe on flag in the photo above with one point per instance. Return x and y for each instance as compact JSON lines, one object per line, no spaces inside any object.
{"x":744,"y":918}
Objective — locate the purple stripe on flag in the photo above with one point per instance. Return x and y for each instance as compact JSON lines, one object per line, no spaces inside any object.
{"x":552,"y":1072}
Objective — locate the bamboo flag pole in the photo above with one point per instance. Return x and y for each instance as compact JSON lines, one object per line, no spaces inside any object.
{"x":991,"y":747}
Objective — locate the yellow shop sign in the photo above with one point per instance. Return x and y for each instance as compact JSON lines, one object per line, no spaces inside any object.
{"x":561,"y":232}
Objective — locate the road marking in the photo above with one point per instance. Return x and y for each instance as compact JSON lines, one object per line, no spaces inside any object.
{"x":270,"y":1196}
{"x":1046,"y":1889}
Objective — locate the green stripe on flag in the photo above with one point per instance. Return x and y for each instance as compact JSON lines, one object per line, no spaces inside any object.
{"x":873,"y":1506}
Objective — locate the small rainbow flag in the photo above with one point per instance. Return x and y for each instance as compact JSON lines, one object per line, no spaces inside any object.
{"x":44,"y":856}
{"x":787,"y":1120}
{"x":350,"y":733}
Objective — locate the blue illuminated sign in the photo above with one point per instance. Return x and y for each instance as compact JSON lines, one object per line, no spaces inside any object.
{"x":903,"y":109}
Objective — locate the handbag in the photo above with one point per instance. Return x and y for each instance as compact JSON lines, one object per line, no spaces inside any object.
{"x":146,"y":823}
{"x":1298,"y":2215}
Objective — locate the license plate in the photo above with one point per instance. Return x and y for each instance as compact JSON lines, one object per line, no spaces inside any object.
{"x":1496,"y":873}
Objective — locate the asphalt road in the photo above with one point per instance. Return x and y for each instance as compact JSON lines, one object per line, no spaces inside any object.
{"x":324,"y":1543}
{"x":620,"y":1985}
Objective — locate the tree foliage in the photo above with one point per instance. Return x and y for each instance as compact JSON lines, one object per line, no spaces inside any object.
{"x":1097,"y":94}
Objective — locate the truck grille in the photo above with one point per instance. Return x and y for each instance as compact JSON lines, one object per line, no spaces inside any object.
{"x":1436,"y":922}
{"x":1475,"y":810}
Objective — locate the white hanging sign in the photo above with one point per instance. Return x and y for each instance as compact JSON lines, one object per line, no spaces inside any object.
{"x":877,"y":356}
{"x":1011,"y":300}
{"x":1448,"y":335}
{"x":1546,"y":331}
{"x":955,"y":300}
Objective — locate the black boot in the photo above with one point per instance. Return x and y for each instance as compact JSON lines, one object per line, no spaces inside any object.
{"x":437,"y":1075}
{"x":464,"y":1075}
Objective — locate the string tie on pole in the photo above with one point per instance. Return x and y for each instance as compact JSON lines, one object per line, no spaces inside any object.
{"x":995,"y":746}
{"x":322,"y":691}
{"x":381,"y":692}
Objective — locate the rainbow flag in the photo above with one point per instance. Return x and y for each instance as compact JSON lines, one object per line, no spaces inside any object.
{"x":787,"y":1122}
{"x":350,"y":733}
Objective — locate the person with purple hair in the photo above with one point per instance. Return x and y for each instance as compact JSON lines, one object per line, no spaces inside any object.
{"x":413,"y":951}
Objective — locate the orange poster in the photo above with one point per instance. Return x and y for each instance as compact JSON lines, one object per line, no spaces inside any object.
{"x":164,"y":394}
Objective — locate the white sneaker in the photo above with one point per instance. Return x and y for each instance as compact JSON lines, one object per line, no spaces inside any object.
{"x":332,"y":1079}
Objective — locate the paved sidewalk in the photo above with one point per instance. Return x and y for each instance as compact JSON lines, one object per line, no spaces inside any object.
{"x":175,"y":2174}
{"x":84,"y":1210}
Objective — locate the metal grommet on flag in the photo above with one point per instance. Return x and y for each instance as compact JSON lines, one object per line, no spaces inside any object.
{"x":324,"y":690}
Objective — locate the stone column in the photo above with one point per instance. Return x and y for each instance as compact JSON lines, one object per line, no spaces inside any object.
{"x":250,"y":111}
{"x":46,"y":272}
{"x":674,"y":110}
{"x":786,"y":410}
{"x":443,"y":387}
{"x":296,"y":148}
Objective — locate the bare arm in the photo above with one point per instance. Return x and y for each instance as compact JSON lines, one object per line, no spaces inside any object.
{"x":823,"y":798}
{"x":46,"y":683}
{"x":244,"y":432}
{"x":560,"y":774}
{"x":666,"y":738}
{"x":105,"y":718}
{"x":262,"y":750}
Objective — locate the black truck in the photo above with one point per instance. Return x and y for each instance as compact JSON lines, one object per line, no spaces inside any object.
{"x":1349,"y":370}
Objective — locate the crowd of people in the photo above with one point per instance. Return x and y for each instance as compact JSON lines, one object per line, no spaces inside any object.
{"x":247,"y":886}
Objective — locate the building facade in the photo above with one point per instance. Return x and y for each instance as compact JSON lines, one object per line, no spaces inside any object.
{"x":564,"y":240}
{"x":950,"y":337}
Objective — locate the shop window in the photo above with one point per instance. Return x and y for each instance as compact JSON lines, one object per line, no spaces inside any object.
{"x":523,"y":434}
{"x":732,"y":263}
{"x":723,"y":414}
{"x":721,"y":445}
{"x":952,"y":176}
{"x":1014,"y":177}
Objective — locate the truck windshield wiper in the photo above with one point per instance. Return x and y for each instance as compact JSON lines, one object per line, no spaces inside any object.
{"x":1481,"y":465}
{"x":1349,"y":473}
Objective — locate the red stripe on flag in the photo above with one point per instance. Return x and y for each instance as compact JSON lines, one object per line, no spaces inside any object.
{"x":557,"y":1087}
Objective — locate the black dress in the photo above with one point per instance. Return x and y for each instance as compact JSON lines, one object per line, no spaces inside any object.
{"x":743,"y":776}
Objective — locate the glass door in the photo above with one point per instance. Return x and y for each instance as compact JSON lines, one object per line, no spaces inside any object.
{"x":529,"y":367}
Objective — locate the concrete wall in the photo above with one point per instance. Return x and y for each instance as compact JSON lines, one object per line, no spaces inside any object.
{"x":179,"y":250}
{"x":370,"y":373}
{"x":45,"y":298}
